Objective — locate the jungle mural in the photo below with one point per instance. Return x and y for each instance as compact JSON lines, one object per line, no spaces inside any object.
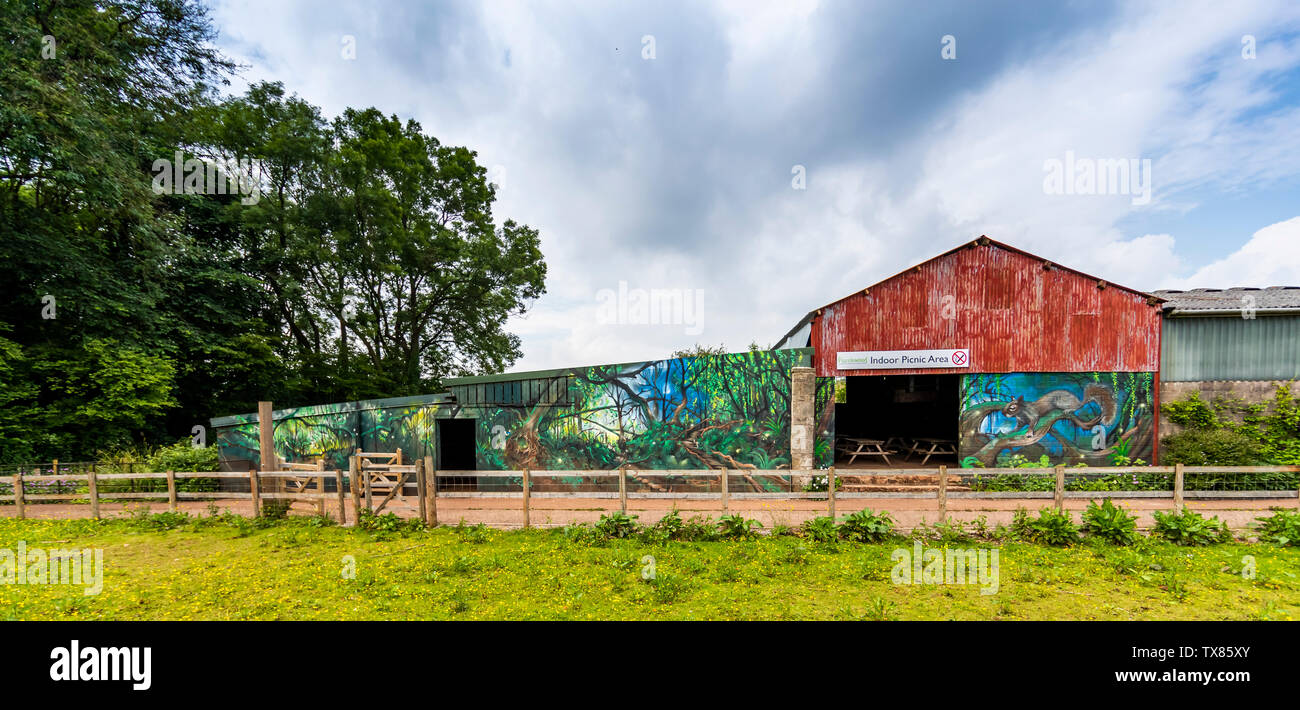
{"x":1097,"y":418}
{"x":725,"y":411}
{"x":729,"y":411}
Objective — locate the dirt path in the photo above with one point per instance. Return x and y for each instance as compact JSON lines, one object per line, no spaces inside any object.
{"x":554,"y":512}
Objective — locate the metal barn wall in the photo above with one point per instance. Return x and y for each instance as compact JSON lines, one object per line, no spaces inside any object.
{"x":1013,"y":314}
{"x":1207,"y":348}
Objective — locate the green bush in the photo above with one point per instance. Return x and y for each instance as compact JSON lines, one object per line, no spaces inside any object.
{"x":821,"y":529}
{"x":1282,"y":528}
{"x":617,"y":526}
{"x":1110,"y":523}
{"x":1211,"y":447}
{"x":1051,"y":527}
{"x":866,"y":526}
{"x":736,"y":527}
{"x":1191,"y":528}
{"x":1192,"y":412}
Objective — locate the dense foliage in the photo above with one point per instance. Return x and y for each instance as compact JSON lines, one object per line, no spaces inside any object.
{"x":1233,"y":433}
{"x":351,"y":258}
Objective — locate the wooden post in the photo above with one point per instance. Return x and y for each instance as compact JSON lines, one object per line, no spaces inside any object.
{"x":320,"y":494}
{"x":253,"y":493}
{"x":171,"y":491}
{"x":431,"y":478}
{"x":420,"y":491}
{"x":830,"y":490}
{"x":401,"y":493}
{"x":1178,"y":487}
{"x":354,"y":485}
{"x":1059,"y":494}
{"x":726,"y":493}
{"x":266,"y":436}
{"x":55,"y":470}
{"x":18,"y":496}
{"x":93,"y":484}
{"x":370,"y":500}
{"x":622,"y":489}
{"x":943,"y":493}
{"x":343,"y":508}
{"x":527,"y":481}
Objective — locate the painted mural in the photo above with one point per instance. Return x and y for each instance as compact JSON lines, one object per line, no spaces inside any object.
{"x":729,"y":411}
{"x":1097,"y":418}
{"x":726,"y":411}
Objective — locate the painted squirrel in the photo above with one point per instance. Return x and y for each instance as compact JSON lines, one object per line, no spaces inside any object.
{"x":1029,"y":413}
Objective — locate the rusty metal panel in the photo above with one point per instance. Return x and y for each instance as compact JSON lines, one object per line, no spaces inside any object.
{"x":1016,"y":312}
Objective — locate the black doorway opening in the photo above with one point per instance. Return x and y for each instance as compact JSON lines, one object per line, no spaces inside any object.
{"x":456,"y":452}
{"x":901,"y":411}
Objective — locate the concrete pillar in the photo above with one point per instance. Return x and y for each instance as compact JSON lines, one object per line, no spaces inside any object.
{"x":802,"y":433}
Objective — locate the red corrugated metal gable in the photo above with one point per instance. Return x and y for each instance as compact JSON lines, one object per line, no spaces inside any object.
{"x":1013,"y":314}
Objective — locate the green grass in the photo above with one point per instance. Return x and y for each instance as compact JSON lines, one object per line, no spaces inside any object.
{"x":230,"y":568}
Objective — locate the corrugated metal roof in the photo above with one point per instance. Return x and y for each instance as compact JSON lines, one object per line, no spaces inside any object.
{"x":1262,"y":348}
{"x":1015,"y":312}
{"x":1231,"y":299}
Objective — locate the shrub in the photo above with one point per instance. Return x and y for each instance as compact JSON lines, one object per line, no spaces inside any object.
{"x":391,"y":523}
{"x":698,"y":528}
{"x":669,"y":527}
{"x":866,"y":526}
{"x":1051,"y":527}
{"x":1192,"y":412}
{"x":1283,"y":528}
{"x":617,"y":526}
{"x":1211,"y":447}
{"x":276,"y":509}
{"x":821,"y":529}
{"x":1110,"y":523}
{"x":734,"y":527}
{"x":1191,"y":528}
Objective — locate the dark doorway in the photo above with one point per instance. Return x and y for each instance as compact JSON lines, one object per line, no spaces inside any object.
{"x":456,"y":445}
{"x":902,"y":410}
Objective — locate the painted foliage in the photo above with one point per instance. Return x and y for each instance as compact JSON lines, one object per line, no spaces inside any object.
{"x":1097,"y":418}
{"x":726,"y":411}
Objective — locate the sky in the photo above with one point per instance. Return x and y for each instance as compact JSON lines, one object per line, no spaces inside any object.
{"x":742,"y":163}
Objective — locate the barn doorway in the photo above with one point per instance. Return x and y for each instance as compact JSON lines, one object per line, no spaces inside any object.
{"x":915,"y":417}
{"x":456,"y":452}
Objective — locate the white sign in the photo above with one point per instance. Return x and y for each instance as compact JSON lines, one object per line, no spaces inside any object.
{"x":902,"y":359}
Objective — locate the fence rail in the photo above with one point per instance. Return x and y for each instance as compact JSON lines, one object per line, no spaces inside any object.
{"x":624,"y":484}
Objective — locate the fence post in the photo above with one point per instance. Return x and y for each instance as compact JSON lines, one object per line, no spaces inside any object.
{"x":370,"y":500}
{"x":527,"y":484}
{"x":253,"y":493}
{"x":92,"y":484}
{"x":1059,"y":493}
{"x":55,"y":468}
{"x":320,"y":492}
{"x":18,"y":496}
{"x":171,"y":491}
{"x":353,"y":483}
{"x":830,"y":490}
{"x":622,"y":489}
{"x":943,"y":493}
{"x":420,"y":491}
{"x":1178,"y":487}
{"x":343,"y":507}
{"x":431,"y":478}
{"x":726,"y":493}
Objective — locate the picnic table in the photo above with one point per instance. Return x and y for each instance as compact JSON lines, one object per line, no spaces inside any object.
{"x":927,"y":447}
{"x":866,"y":447}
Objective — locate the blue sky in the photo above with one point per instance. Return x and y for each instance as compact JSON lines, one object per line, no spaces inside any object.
{"x":672,"y":169}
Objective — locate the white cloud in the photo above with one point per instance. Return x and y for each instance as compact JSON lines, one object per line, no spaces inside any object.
{"x":1270,"y":258}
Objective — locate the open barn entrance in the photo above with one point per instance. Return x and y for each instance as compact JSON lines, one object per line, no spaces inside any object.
{"x":456,"y":453}
{"x":897,"y":421}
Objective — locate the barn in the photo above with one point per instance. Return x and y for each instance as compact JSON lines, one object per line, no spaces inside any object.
{"x":986,"y":353}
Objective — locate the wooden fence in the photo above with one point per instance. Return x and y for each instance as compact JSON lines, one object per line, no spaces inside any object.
{"x":310,"y":485}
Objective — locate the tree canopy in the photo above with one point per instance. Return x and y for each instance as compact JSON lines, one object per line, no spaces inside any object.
{"x":353,"y":257}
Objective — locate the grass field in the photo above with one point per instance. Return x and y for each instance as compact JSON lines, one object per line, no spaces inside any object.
{"x":227,"y":567}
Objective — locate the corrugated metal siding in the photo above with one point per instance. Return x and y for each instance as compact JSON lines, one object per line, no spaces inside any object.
{"x":1209,"y":348}
{"x":1014,"y":315}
